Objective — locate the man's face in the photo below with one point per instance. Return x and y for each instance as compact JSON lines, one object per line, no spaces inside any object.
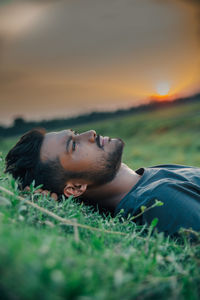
{"x":96,"y":156}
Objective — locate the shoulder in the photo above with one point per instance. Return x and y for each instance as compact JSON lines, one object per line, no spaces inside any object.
{"x":166,"y":187}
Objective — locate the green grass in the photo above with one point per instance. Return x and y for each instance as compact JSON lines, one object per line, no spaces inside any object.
{"x":41,"y":258}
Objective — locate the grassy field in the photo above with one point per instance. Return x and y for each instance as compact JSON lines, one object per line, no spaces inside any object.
{"x":44,"y":258}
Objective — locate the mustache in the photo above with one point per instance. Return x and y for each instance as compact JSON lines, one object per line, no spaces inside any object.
{"x":98,"y":141}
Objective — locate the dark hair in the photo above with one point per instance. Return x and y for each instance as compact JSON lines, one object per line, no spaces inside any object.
{"x":23,"y":162}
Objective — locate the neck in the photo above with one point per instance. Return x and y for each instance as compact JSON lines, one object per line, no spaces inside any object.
{"x":110,"y":194}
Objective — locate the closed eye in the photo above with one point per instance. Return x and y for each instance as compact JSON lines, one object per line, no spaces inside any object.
{"x":70,"y":139}
{"x":73,"y":146}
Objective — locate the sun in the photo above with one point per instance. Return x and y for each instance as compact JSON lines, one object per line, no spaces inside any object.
{"x":163,"y":88}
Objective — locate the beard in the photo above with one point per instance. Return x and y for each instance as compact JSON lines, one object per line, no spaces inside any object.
{"x":108,"y":166}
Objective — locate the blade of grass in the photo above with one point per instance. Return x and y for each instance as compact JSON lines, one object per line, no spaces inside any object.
{"x":58,"y":218}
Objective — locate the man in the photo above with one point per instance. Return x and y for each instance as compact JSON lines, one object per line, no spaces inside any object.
{"x":88,"y":165}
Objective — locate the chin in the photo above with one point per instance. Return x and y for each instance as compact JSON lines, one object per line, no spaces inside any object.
{"x":120,"y":145}
{"x":117,"y":154}
{"x":122,"y":142}
{"x":119,"y":141}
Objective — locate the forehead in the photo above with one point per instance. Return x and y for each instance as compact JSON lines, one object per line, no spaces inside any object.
{"x":53,"y":144}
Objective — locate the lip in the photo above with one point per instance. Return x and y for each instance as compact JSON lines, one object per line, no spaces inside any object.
{"x":102,"y":140}
{"x":98,"y":142}
{"x":105,"y":140}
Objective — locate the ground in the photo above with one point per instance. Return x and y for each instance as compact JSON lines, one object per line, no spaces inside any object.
{"x":43,"y":258}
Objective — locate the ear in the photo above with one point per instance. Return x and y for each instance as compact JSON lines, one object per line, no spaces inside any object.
{"x":75,"y":189}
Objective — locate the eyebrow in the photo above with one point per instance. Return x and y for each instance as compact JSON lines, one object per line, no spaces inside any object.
{"x":68,"y":142}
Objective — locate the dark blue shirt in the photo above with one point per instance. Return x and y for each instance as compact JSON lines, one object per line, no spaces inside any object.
{"x":178,"y":187}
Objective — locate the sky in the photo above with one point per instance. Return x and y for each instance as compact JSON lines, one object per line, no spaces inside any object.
{"x":64,"y":58}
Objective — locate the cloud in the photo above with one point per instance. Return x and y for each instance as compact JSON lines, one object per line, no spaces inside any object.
{"x":17,"y":18}
{"x":93,"y":33}
{"x":196,"y":4}
{"x":91,"y":52}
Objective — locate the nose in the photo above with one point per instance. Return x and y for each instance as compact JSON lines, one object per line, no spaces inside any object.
{"x":90,"y":135}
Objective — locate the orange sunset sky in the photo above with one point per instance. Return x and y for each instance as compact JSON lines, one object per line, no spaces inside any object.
{"x":63,"y":58}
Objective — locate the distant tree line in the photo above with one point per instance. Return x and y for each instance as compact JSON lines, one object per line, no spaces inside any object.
{"x":20,"y":126}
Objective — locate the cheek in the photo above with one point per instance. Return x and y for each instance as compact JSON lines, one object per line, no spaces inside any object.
{"x":81,"y":162}
{"x":89,"y":160}
{"x":84,"y":159}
